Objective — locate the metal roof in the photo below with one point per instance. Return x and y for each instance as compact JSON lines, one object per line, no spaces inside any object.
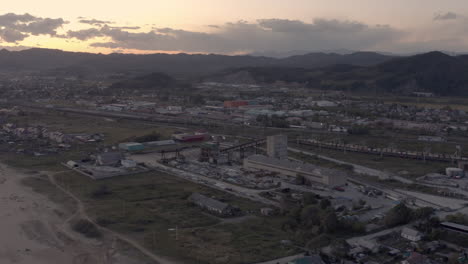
{"x":208,"y":202}
{"x":454,"y":225}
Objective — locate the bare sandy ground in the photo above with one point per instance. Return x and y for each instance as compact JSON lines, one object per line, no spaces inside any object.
{"x":32,"y":232}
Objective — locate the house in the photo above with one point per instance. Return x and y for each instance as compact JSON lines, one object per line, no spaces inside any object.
{"x":411,"y":234}
{"x":212,"y":205}
{"x":416,"y":258}
{"x":369,"y":245}
{"x":109,"y":159}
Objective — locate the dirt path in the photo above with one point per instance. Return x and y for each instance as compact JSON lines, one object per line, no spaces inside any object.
{"x":32,"y":228}
{"x":81,"y":212}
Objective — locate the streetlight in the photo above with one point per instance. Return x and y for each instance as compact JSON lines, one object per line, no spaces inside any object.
{"x":176,"y":229}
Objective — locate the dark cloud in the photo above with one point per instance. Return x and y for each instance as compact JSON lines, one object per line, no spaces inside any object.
{"x":42,"y":26}
{"x":127,"y":28}
{"x":14,"y":28}
{"x":11,"y":35}
{"x":85,"y":34}
{"x":262,"y":35}
{"x":93,"y":21}
{"x":446,"y":16}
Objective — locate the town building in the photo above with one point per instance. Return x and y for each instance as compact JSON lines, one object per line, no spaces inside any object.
{"x":277,"y":146}
{"x":311,"y":173}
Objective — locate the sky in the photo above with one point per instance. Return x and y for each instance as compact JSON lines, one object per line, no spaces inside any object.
{"x":235,"y":26}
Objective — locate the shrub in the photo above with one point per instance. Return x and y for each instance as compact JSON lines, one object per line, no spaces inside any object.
{"x":102,"y":190}
{"x":86,"y":228}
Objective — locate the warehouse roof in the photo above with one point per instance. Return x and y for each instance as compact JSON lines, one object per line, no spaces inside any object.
{"x":208,"y":202}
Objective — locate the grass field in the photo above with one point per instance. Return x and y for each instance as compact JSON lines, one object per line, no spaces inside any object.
{"x":114,"y":130}
{"x":145,"y":206}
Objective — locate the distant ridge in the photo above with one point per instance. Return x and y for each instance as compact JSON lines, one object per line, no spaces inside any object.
{"x":176,"y":64}
{"x":434,"y":72}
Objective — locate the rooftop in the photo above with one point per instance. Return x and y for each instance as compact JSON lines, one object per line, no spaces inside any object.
{"x":294,"y":165}
{"x":207,"y":201}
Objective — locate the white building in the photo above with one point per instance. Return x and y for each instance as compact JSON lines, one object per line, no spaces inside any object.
{"x":411,"y":234}
{"x":277,"y":146}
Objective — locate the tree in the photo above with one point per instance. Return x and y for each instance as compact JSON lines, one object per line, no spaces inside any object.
{"x":423,"y":213}
{"x":86,"y":228}
{"x":330,"y":222}
{"x":309,"y":198}
{"x":318,"y":242}
{"x":300,"y":180}
{"x":310,"y":216}
{"x":101,"y":191}
{"x":398,"y":215}
{"x":339,"y":248}
{"x":324,"y":204}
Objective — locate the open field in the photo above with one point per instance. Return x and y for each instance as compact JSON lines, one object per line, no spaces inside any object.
{"x":145,"y":206}
{"x":114,"y":130}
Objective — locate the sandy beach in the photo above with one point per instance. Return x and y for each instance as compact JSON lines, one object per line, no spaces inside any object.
{"x":34,"y":229}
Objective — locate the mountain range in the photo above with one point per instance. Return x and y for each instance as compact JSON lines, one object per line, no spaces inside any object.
{"x":57,"y":61}
{"x":434,"y":72}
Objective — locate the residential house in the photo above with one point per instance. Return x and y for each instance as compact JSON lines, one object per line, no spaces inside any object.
{"x":411,"y":234}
